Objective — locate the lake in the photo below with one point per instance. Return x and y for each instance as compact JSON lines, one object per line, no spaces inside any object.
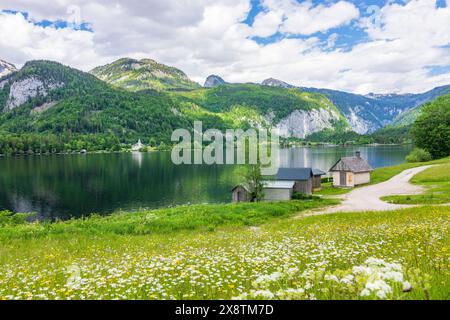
{"x":64,"y":186}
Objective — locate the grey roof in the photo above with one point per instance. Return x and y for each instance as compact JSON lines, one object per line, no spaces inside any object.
{"x":352,"y":164}
{"x":318,"y":172}
{"x":243,"y":185}
{"x":294,"y":174}
{"x":279,"y":184}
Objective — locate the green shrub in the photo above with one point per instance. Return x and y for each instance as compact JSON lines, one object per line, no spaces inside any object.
{"x":418,"y":155}
{"x":302,"y":196}
{"x":8,"y":218}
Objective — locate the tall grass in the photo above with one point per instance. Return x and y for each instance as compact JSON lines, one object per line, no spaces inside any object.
{"x":170,"y":220}
{"x":401,"y":254}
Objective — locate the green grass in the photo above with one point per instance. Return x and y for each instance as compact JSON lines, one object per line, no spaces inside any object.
{"x":435,"y":180}
{"x":329,"y":190}
{"x":163,"y":221}
{"x":335,"y":256}
{"x":381,"y":175}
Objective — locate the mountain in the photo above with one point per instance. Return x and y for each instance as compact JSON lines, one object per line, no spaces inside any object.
{"x":213,"y":81}
{"x":137,"y":75}
{"x":368,"y":113}
{"x":6,"y":68}
{"x":294,"y":113}
{"x":48,"y":98}
{"x":408,"y":117}
{"x":271,"y":82}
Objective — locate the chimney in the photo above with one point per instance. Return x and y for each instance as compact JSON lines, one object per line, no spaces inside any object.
{"x":358,"y":154}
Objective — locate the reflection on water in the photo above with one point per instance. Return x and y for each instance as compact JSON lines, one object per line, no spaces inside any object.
{"x":324,"y":158}
{"x":75,"y":185}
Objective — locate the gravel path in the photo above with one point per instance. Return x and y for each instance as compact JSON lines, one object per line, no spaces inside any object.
{"x":368,"y":198}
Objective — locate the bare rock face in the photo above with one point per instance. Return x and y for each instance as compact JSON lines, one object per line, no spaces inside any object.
{"x":358,"y":124}
{"x":6,"y":68}
{"x":300,"y":123}
{"x":21,"y":91}
{"x":213,"y":81}
{"x":271,"y":82}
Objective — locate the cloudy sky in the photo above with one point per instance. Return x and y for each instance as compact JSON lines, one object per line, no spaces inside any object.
{"x":359,"y":46}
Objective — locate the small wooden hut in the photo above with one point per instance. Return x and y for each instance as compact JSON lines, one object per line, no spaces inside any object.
{"x":351,"y":171}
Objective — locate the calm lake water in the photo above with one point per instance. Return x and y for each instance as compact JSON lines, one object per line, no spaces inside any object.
{"x":62,"y":186}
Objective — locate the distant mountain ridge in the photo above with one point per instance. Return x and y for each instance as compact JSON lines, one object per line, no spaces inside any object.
{"x":46,"y":97}
{"x":368,"y":113}
{"x":213,"y":81}
{"x":143,"y":99}
{"x":145,"y":74}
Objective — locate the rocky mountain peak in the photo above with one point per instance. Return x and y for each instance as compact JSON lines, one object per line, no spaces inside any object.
{"x":6,"y":68}
{"x":213,"y":81}
{"x":271,"y":82}
{"x":144,"y":74}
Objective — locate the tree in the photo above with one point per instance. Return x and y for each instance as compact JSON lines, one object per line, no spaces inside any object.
{"x":254,"y":180}
{"x":431,"y":130}
{"x":418,"y":155}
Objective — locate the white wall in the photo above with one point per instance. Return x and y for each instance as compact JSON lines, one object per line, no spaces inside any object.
{"x":362,"y":178}
{"x":336,"y":179}
{"x":277,"y":194}
{"x":352,"y":179}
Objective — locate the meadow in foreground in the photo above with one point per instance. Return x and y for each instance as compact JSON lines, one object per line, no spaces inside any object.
{"x":388,"y":255}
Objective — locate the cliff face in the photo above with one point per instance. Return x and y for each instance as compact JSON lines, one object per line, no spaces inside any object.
{"x":301,"y":123}
{"x":23,"y":90}
{"x":213,"y":81}
{"x":6,"y":68}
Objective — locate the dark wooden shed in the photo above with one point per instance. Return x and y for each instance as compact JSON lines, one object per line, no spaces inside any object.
{"x":241,"y":193}
{"x":317,"y":179}
{"x":303,"y":178}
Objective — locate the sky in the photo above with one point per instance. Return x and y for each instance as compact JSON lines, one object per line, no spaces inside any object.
{"x":378,"y":46}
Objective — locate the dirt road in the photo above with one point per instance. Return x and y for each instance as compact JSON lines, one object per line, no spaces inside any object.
{"x":368,"y":198}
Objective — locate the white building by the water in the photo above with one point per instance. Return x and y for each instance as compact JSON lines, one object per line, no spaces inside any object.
{"x":138,"y":146}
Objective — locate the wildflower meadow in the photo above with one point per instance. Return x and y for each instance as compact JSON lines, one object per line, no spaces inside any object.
{"x":375,"y":255}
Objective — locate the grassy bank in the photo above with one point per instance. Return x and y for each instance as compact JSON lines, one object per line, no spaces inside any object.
{"x":381,"y":175}
{"x":436,"y":182}
{"x":161,"y":221}
{"x":391,"y":255}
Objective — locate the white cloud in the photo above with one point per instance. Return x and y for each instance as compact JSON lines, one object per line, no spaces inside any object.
{"x":331,"y":41}
{"x":304,"y":18}
{"x":203,"y":37}
{"x":21,"y":41}
{"x":267,"y":23}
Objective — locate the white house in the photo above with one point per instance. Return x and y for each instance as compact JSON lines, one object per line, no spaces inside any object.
{"x":138,"y":146}
{"x":351,"y":171}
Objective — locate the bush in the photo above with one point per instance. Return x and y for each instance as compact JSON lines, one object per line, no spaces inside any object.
{"x":418,"y":155}
{"x":8,"y":218}
{"x":302,"y":196}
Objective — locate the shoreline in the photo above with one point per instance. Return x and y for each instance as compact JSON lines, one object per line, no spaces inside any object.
{"x":323,"y":145}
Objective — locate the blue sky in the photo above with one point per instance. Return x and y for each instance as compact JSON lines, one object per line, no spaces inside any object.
{"x":358,"y":46}
{"x":56,"y":24}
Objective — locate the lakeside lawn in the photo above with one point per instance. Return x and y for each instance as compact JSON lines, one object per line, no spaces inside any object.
{"x":435,"y":180}
{"x":206,"y":217}
{"x":377,"y":255}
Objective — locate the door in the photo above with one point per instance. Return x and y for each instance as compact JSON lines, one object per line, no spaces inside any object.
{"x":343,"y":178}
